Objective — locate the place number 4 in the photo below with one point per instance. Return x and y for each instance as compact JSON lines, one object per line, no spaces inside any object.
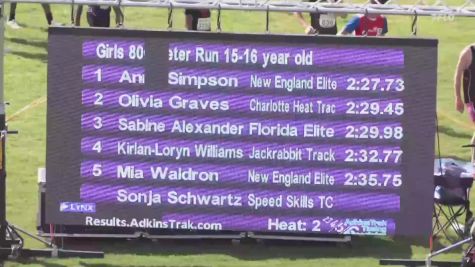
{"x":97,"y":147}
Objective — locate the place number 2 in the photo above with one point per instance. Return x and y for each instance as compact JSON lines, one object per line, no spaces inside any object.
{"x":99,"y":99}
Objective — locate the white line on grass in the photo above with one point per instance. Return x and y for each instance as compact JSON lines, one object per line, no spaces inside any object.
{"x":465,"y":125}
{"x":33,"y":104}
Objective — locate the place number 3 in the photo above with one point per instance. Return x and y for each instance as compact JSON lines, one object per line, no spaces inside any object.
{"x":97,"y":122}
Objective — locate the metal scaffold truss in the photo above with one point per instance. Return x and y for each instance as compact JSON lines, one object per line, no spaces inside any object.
{"x":391,"y":7}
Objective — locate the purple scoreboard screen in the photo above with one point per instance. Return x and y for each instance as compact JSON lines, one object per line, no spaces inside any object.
{"x":240,"y":132}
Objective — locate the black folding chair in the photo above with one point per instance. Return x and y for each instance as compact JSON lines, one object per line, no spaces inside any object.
{"x":452,"y":202}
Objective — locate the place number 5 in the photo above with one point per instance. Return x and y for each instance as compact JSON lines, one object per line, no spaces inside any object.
{"x":97,"y":170}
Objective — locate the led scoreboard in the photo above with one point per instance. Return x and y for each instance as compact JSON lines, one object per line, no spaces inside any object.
{"x":240,"y":132}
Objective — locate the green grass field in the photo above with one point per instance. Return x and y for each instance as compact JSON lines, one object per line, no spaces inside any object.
{"x":25,"y":87}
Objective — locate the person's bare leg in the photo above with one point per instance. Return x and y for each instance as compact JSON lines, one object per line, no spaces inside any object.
{"x":77,"y":19}
{"x":48,"y":13}
{"x":473,"y":149}
{"x":119,"y":16}
{"x":11,"y":18}
{"x":12,"y":11}
{"x":473,"y":154}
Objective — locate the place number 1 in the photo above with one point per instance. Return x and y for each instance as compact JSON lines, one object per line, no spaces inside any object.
{"x":98,"y":73}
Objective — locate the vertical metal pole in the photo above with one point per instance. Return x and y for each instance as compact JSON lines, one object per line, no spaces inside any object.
{"x":3,"y":218}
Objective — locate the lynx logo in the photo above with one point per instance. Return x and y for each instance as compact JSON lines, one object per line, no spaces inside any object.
{"x":77,"y":207}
